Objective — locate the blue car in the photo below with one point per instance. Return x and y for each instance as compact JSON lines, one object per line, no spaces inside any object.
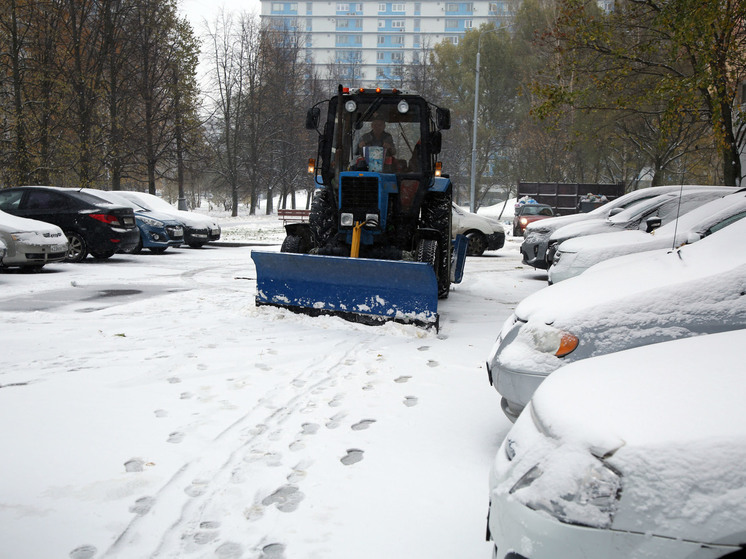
{"x":158,"y":231}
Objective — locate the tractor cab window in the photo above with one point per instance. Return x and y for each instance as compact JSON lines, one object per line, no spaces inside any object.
{"x":380,"y":135}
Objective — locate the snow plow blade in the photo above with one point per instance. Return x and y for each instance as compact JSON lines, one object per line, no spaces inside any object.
{"x":359,"y":289}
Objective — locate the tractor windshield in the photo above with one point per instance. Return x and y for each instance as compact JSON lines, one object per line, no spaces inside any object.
{"x":378,"y":134}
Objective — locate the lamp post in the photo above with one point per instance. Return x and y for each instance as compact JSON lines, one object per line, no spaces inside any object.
{"x":472,"y":197}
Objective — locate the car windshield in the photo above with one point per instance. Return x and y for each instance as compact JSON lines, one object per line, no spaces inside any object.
{"x":533,"y":209}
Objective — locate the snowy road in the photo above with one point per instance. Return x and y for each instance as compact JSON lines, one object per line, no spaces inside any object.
{"x":151,"y":410}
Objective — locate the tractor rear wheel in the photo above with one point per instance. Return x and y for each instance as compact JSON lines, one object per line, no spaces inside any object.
{"x":427,"y":251}
{"x":436,"y":214}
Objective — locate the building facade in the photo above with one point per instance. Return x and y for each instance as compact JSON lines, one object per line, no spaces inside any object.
{"x":372,"y":42}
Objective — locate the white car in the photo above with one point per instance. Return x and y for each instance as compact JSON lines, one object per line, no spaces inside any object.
{"x":536,"y":236}
{"x":630,"y":455}
{"x":198,"y":229}
{"x":644,"y":216}
{"x":621,"y":303}
{"x":29,"y":243}
{"x":483,"y":233}
{"x":576,"y":255}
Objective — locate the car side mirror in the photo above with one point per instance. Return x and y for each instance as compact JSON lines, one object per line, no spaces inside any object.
{"x":692,"y":237}
{"x":312,"y":118}
{"x":443,"y":118}
{"x":652,"y":223}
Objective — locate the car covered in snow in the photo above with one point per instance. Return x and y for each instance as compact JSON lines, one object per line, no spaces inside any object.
{"x":157,"y":231}
{"x":625,"y":302}
{"x":198,"y":229}
{"x":483,"y":233}
{"x":30,"y":244}
{"x":644,"y":216}
{"x":635,"y":454}
{"x":536,"y":236}
{"x":576,"y":255}
{"x":526,"y":214}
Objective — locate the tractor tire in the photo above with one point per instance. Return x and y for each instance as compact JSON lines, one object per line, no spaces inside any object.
{"x":323,"y":217}
{"x":427,"y":251}
{"x":437,"y":214}
{"x":294,"y":244}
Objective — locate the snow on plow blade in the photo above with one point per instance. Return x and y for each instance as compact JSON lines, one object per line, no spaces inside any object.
{"x":365,"y":290}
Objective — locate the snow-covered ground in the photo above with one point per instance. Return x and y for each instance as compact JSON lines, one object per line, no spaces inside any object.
{"x":151,"y":410}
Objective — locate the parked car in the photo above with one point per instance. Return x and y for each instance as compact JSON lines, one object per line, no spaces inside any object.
{"x":157,"y":231}
{"x":576,"y":255}
{"x":483,"y":233}
{"x":198,"y":229}
{"x":536,"y":236}
{"x":90,"y":224}
{"x":30,"y":244}
{"x":645,"y":216}
{"x":529,"y":213}
{"x":635,"y":454}
{"x":3,"y":250}
{"x":629,"y":301}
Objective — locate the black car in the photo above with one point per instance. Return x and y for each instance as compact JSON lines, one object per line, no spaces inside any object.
{"x":92,"y":225}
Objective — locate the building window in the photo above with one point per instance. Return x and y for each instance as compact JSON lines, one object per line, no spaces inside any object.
{"x":452,"y":40}
{"x":397,"y":56}
{"x":397,"y":40}
{"x":309,"y":8}
{"x":309,"y":24}
{"x":397,"y":7}
{"x":452,"y":24}
{"x":468,"y":24}
{"x":417,"y":25}
{"x":417,"y":8}
{"x":343,"y":7}
{"x":417,"y":40}
{"x":381,"y":39}
{"x":341,"y":39}
{"x":397,"y":23}
{"x":382,"y":7}
{"x":451,"y":7}
{"x":380,"y":55}
{"x":381,"y":23}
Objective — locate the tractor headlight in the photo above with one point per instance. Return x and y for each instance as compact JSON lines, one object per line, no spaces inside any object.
{"x":403,"y":106}
{"x":371,"y":220}
{"x":350,"y":106}
{"x":346,"y":220}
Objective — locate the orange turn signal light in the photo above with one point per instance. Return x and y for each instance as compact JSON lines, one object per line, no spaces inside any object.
{"x":567,"y":345}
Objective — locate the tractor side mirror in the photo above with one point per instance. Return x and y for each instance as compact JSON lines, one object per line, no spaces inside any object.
{"x":436,"y":141}
{"x":443,"y":118}
{"x":312,"y":118}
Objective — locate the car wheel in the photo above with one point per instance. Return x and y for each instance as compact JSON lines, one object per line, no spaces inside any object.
{"x":477,"y":243}
{"x":103,"y":255}
{"x":77,"y":249}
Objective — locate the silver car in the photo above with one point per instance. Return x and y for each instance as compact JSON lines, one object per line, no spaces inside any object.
{"x":624,"y":302}
{"x":30,"y":244}
{"x":536,"y":237}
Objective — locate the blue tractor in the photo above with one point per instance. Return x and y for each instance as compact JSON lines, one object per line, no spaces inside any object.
{"x":377,"y":245}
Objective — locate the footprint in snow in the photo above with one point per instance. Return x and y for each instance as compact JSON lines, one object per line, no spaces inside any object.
{"x":285,"y":498}
{"x":364,"y":424}
{"x":333,"y":422}
{"x":134,"y":465}
{"x":197,"y":488}
{"x":83,"y":552}
{"x":336,"y":401}
{"x":229,"y":550}
{"x":176,"y":437}
{"x":309,"y":428}
{"x":432,"y":363}
{"x":208,"y":531}
{"x":353,"y":456}
{"x":402,"y":379}
{"x":142,"y":506}
{"x":273,"y":551}
{"x":173,"y":380}
{"x":410,"y":401}
{"x":161,"y":413}
{"x":423,"y":348}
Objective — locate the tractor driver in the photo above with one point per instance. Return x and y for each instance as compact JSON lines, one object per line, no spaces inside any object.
{"x":377,"y":136}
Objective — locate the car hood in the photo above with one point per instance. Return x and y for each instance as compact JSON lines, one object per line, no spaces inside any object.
{"x":586,"y":227}
{"x":670,"y":418}
{"x":14,"y":224}
{"x":553,"y":223}
{"x":160,"y":216}
{"x":608,"y":242}
{"x":653,"y":275}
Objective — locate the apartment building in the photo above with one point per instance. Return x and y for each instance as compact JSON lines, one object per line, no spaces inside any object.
{"x":371,"y":43}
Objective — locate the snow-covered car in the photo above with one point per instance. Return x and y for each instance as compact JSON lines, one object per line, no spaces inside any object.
{"x":644,"y":216}
{"x":525,"y":214}
{"x":536,"y":236}
{"x":483,"y":233}
{"x":29,"y":243}
{"x":157,"y":231}
{"x":3,"y":250}
{"x":628,"y":301}
{"x":635,"y":454}
{"x":576,"y":255}
{"x":198,"y":229}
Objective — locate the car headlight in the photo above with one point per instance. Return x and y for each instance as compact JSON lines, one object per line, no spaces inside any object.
{"x":150,"y":221}
{"x":573,"y":486}
{"x":548,"y":339}
{"x":523,"y":221}
{"x":25,"y":237}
